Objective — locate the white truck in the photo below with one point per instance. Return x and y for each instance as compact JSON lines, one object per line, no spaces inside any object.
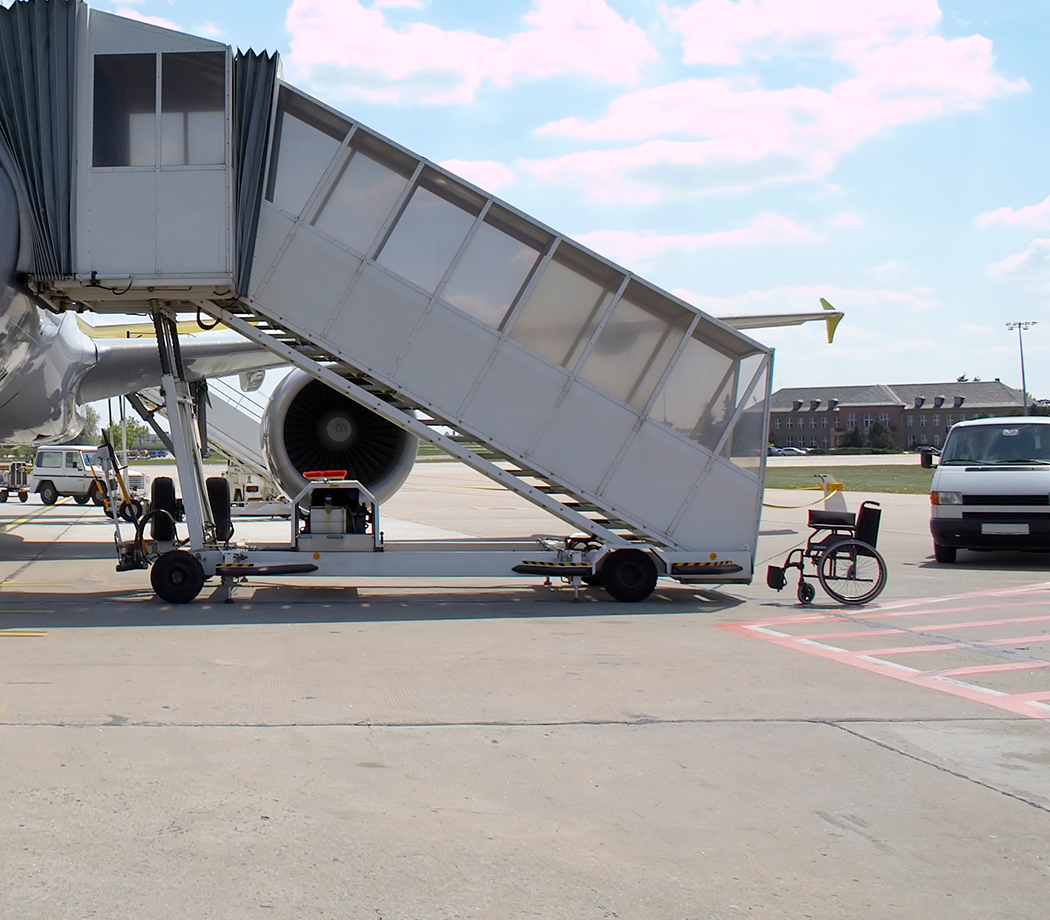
{"x":76,"y":470}
{"x":991,"y":487}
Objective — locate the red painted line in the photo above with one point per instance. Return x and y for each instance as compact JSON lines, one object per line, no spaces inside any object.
{"x":1033,"y":697}
{"x":852,"y":633}
{"x":993,"y":668}
{"x":975,"y":623}
{"x":948,"y":646}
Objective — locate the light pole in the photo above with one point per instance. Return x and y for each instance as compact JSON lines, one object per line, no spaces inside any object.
{"x":1020,"y":327}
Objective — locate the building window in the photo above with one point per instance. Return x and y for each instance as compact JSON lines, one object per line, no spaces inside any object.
{"x":936,"y":440}
{"x":936,"y":421}
{"x":812,"y":421}
{"x":788,"y":422}
{"x":949,"y":420}
{"x":868,"y":419}
{"x":851,"y":419}
{"x":922,"y":423}
{"x":812,"y":441}
{"x":923,"y":440}
{"x":790,"y":441}
{"x":885,"y":419}
{"x":910,"y":421}
{"x":911,"y":440}
{"x":824,"y":441}
{"x":776,"y":424}
{"x":824,"y":424}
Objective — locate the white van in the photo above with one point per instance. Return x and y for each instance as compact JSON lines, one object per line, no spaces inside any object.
{"x":71,"y":469}
{"x":991,"y":488}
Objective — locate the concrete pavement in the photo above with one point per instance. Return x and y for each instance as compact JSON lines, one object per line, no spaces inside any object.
{"x":430,"y":749}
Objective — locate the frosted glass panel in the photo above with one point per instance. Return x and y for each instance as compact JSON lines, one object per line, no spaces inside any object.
{"x":125,"y":110}
{"x":490,"y":274}
{"x":561,"y":315}
{"x":747,"y":443}
{"x":633,"y":351}
{"x":748,"y":367}
{"x":360,"y":202}
{"x":699,"y":373}
{"x":193,"y":102}
{"x":425,"y":239}
{"x":303,"y":157}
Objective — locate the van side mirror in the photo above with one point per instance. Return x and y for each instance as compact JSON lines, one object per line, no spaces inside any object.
{"x":926,"y":460}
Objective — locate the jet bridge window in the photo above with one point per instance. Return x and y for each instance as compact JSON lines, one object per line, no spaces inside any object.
{"x":430,"y":232}
{"x":193,"y":109}
{"x":565,"y":306}
{"x":125,"y":110}
{"x":495,"y":266}
{"x":364,"y":194}
{"x":635,"y":347}
{"x":306,"y":138}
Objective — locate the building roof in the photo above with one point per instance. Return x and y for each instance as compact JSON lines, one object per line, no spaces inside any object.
{"x":974,"y":395}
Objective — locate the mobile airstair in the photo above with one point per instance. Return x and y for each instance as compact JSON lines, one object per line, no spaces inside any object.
{"x":633,"y":417}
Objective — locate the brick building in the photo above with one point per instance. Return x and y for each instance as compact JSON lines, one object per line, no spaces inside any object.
{"x":915,"y":413}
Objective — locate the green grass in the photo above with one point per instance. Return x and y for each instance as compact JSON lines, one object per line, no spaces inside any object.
{"x":911,"y":480}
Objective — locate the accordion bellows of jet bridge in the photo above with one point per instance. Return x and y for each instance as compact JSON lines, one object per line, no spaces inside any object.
{"x":199,"y":180}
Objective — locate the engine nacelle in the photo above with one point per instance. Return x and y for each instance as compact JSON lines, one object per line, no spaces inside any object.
{"x":309,"y":426}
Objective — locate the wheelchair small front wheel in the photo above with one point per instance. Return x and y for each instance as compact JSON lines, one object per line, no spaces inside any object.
{"x":806,"y":592}
{"x":852,"y":572}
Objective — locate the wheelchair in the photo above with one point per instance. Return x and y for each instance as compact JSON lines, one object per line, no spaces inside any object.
{"x":841,"y":550}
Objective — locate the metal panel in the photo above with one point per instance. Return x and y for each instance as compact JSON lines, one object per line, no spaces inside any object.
{"x":122,"y":222}
{"x":274,"y":227}
{"x":376,"y":321}
{"x":514,"y":423}
{"x":192,"y":222}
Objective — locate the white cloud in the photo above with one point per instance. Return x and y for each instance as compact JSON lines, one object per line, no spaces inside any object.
{"x":487,"y":174}
{"x":630,"y":247}
{"x":1033,"y":263}
{"x":1034,"y":215}
{"x":391,"y":4}
{"x":423,"y":63}
{"x":730,"y":133}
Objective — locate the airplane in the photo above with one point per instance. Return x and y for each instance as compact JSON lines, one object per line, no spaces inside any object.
{"x":53,"y":363}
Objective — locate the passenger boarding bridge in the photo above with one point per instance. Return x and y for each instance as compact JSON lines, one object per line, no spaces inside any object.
{"x":201,"y":181}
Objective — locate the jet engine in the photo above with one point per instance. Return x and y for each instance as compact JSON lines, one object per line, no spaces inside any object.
{"x":309,"y":426}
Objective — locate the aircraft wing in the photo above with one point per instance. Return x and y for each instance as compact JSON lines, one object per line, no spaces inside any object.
{"x":765,"y":320}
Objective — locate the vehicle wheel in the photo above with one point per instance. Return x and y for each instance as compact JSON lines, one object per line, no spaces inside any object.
{"x":629,"y":575}
{"x":806,"y":592}
{"x":23,"y":497}
{"x":945,"y":554}
{"x":130,"y":511}
{"x":81,"y":499}
{"x":219,"y":499}
{"x":97,"y":494}
{"x":48,"y":493}
{"x":177,"y":577}
{"x":3,"y":496}
{"x":595,"y":580}
{"x":852,"y":572}
{"x":163,"y":494}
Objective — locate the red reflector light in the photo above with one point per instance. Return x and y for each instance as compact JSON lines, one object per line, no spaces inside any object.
{"x":325,"y":474}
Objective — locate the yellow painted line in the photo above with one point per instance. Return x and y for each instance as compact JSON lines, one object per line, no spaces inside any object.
{"x":22,"y":633}
{"x":29,"y":517}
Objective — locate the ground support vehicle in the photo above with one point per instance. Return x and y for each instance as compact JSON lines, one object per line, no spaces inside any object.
{"x":335,"y":527}
{"x":14,"y":479}
{"x":841,"y":550}
{"x":77,"y":470}
{"x":991,"y":487}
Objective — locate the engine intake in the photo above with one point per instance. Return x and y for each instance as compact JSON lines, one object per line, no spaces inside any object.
{"x":309,"y":426}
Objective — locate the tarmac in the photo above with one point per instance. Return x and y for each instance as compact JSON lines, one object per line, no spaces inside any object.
{"x":420,"y":748}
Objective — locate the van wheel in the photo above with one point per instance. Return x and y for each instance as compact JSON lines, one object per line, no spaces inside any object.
{"x":81,"y":499}
{"x":48,"y":493}
{"x":944,"y":554}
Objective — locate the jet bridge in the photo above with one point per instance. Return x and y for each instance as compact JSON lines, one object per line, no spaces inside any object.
{"x":205,"y":182}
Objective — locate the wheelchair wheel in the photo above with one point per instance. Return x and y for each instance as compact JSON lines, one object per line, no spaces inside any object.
{"x":852,"y":572}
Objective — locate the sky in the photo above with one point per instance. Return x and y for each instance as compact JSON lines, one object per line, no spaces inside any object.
{"x":750,"y":156}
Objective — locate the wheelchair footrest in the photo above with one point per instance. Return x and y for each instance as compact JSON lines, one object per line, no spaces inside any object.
{"x":775,"y":577}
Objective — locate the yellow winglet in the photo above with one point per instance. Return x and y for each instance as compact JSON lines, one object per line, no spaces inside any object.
{"x":832,"y":321}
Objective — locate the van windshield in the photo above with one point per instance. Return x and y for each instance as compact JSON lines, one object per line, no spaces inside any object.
{"x":1009,"y":443}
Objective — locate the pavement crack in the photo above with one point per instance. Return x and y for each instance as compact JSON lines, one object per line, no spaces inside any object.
{"x":940,"y":767}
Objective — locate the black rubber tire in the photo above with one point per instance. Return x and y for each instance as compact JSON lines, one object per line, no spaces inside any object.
{"x":944,"y":554}
{"x":852,"y":572}
{"x":23,"y":497}
{"x":806,"y":592}
{"x":3,"y":496}
{"x":163,"y":499}
{"x":81,"y":499}
{"x":219,"y":499}
{"x":177,"y":577}
{"x":130,"y":511}
{"x":629,"y":575}
{"x":48,"y":493}
{"x":595,"y":580}
{"x":97,"y":494}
